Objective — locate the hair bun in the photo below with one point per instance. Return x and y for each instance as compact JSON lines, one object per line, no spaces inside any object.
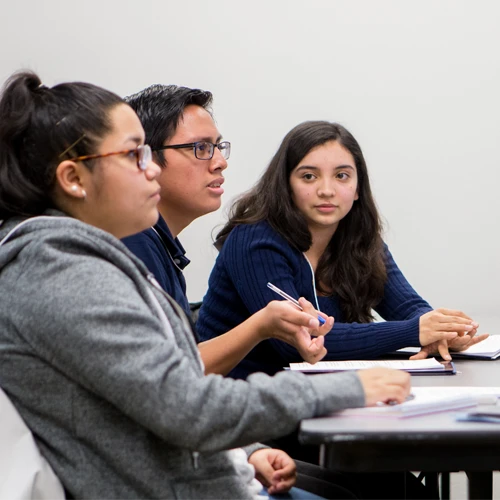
{"x":31,"y":81}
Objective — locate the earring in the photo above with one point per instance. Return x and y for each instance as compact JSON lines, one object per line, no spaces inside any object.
{"x":84,"y":193}
{"x":74,"y":188}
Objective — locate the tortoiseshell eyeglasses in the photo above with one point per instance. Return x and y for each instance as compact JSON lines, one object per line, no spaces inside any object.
{"x":142,"y":154}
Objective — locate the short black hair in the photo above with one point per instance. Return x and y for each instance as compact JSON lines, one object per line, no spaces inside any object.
{"x":160,"y":108}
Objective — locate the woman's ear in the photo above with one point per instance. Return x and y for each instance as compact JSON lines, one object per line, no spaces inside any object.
{"x":69,"y":178}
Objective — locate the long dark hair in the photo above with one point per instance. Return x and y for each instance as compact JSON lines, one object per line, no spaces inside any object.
{"x":353,"y":264}
{"x":39,"y":128}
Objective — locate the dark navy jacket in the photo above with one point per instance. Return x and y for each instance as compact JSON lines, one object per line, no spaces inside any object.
{"x":165,"y":258}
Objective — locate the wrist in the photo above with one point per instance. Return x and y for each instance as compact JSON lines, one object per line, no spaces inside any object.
{"x":261,"y":324}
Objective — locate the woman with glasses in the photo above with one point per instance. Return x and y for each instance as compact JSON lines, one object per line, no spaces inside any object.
{"x":310,"y":226}
{"x":98,"y":360}
{"x":189,"y":148}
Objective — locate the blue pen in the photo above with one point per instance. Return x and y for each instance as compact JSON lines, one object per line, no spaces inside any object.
{"x":291,"y":299}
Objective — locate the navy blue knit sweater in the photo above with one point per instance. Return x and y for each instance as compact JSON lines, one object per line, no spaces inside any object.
{"x":254,"y":254}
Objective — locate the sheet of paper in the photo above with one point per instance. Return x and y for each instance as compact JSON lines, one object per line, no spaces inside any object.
{"x":482,"y":395}
{"x":405,"y":364}
{"x":425,"y":402}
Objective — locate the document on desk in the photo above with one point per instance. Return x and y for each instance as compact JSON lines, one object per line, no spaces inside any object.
{"x":487,"y":349}
{"x":482,"y":395}
{"x":412,"y":366}
{"x":424,"y":402}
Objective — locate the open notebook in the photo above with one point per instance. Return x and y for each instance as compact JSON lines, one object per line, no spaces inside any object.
{"x":430,"y":365}
{"x":429,"y":400}
{"x":487,"y":349}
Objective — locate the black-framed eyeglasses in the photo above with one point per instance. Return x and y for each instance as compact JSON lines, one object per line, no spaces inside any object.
{"x":142,"y":154}
{"x":203,"y":150}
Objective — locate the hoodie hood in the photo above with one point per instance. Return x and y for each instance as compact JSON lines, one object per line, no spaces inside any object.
{"x":17,"y":233}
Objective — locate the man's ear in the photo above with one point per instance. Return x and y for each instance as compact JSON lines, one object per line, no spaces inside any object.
{"x":70,"y":179}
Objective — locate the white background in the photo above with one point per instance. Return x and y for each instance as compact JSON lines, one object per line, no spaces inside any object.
{"x":417,"y":84}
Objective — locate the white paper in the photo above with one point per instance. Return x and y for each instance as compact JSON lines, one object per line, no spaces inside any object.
{"x":24,"y":473}
{"x":423,"y":403}
{"x":482,"y":395}
{"x":405,"y":364}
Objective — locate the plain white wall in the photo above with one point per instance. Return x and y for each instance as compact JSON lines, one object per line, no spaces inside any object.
{"x":417,"y":83}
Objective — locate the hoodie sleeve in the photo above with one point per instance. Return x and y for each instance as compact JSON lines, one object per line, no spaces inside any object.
{"x":83,"y":317}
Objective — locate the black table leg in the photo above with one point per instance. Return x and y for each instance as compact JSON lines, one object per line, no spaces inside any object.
{"x":445,"y":486}
{"x":480,"y":485}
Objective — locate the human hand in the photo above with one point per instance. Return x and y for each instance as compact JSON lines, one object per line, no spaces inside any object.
{"x":457,"y":344}
{"x":274,"y":469}
{"x":440,"y":327}
{"x":444,"y":324}
{"x":384,"y":385}
{"x":301,"y":329}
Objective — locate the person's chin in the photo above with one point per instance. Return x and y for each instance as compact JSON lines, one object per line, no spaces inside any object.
{"x":150,"y":220}
{"x":211,"y":207}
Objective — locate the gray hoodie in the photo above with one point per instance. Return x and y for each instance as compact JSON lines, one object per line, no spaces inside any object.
{"x":104,"y":369}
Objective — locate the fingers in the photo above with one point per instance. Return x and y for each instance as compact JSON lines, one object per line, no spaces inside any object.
{"x":309,"y":309}
{"x":473,"y":340}
{"x":384,"y":385}
{"x":275,"y":469}
{"x":443,"y":350}
{"x":292,"y":314}
{"x":311,"y":350}
{"x":285,"y":474}
{"x":263,"y":467}
{"x":444,"y":324}
{"x":457,"y":313}
{"x":282,"y":485}
{"x":422,"y":354}
{"x":438,"y":336}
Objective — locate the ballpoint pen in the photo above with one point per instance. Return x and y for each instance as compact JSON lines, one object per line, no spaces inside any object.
{"x":291,"y":299}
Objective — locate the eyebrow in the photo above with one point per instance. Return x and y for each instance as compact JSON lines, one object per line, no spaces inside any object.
{"x":208,"y":139}
{"x":312,"y":167}
{"x":135,"y":138}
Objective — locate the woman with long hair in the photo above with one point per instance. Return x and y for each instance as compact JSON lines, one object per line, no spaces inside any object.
{"x":310,"y":226}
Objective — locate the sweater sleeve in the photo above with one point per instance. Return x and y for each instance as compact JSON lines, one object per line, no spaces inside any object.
{"x":257,"y":255}
{"x":90,"y":322}
{"x":400,"y":307}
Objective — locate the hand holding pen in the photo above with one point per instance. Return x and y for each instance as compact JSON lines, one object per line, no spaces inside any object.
{"x":295,"y":302}
{"x":296,"y":324}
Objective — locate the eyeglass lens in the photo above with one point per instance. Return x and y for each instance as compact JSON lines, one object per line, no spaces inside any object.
{"x":205,"y":150}
{"x":144,"y":156}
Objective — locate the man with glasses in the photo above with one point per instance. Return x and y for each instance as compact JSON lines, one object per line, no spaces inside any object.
{"x":187,"y":145}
